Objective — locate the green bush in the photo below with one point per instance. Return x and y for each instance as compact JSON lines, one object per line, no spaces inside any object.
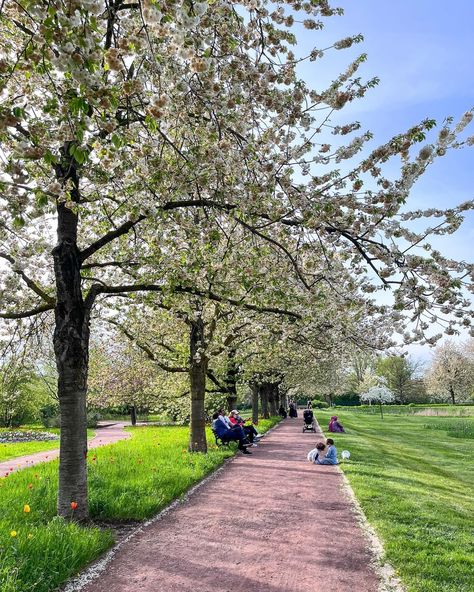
{"x":49,"y":415}
{"x":93,"y":418}
{"x":317,"y":404}
{"x":347,"y":400}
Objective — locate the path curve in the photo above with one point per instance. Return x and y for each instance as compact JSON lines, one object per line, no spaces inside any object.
{"x":270,"y":522}
{"x":108,"y":434}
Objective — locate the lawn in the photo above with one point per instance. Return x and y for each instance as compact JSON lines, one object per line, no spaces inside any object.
{"x":414,"y":478}
{"x":130,"y":480}
{"x":14,"y":450}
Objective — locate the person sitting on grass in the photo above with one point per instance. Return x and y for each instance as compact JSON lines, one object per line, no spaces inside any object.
{"x":250,"y":431}
{"x":335,"y":426}
{"x":314,"y":454}
{"x":227,"y":434}
{"x":331,"y":454}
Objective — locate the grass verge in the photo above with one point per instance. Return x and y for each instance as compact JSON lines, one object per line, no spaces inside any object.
{"x":415,"y":486}
{"x":14,"y":450}
{"x":130,"y":480}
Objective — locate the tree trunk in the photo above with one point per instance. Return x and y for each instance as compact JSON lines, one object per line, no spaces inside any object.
{"x":264,"y":400}
{"x":133,"y":415}
{"x":255,"y":389}
{"x":231,"y":380}
{"x":71,"y":347}
{"x":197,"y":379}
{"x":274,"y":398}
{"x":453,"y":397}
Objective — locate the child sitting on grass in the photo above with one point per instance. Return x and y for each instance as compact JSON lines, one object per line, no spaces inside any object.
{"x":313,"y":454}
{"x":331,"y":454}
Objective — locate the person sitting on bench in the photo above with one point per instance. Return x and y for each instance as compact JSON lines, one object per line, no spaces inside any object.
{"x":250,"y":432}
{"x":227,"y":434}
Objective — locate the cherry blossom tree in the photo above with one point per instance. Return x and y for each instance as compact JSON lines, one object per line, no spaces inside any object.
{"x":121,"y":119}
{"x":119,"y":375}
{"x":451,"y":374}
{"x":380,"y":395}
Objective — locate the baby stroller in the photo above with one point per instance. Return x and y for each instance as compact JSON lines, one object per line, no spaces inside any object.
{"x":308,"y":425}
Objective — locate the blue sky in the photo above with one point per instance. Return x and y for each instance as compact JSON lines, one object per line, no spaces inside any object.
{"x":422,"y":52}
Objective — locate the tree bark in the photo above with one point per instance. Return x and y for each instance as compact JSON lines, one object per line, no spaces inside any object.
{"x":71,"y":347}
{"x":197,"y":378}
{"x":273,"y":398}
{"x":453,"y":397}
{"x":284,"y":400}
{"x":255,"y":389}
{"x":231,"y":380}
{"x":264,"y":400}
{"x":133,"y":415}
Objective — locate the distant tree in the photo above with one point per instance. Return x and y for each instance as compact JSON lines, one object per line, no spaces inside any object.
{"x":380,"y":395}
{"x":400,"y":374}
{"x":370,"y":380}
{"x":121,"y":375}
{"x":361,"y":361}
{"x":451,"y":375}
{"x":22,"y":392}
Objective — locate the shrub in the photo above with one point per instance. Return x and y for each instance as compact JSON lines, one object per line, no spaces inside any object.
{"x":49,"y":415}
{"x":347,"y":399}
{"x":93,"y":419}
{"x":317,"y":404}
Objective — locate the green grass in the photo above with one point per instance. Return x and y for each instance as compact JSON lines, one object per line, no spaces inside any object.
{"x":130,"y":480}
{"x":14,"y":450}
{"x":10,"y":451}
{"x":415,"y":485}
{"x":455,"y":428}
{"x":428,"y":410}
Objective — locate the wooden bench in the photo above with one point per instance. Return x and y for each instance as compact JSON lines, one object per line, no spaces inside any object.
{"x":220,"y":441}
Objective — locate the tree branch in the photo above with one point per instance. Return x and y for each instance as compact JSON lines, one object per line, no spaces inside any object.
{"x":121,"y":290}
{"x":28,"y":281}
{"x":221,"y":389}
{"x":147,"y":350}
{"x":111,"y":264}
{"x":109,"y":237}
{"x":27,"y":313}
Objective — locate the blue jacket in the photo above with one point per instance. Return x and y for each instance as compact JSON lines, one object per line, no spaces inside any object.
{"x":331,"y":455}
{"x":219,"y":426}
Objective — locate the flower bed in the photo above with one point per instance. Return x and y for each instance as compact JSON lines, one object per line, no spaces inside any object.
{"x":14,"y":436}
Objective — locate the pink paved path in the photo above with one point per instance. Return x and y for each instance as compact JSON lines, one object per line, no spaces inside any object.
{"x":270,"y":522}
{"x":103,"y":436}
